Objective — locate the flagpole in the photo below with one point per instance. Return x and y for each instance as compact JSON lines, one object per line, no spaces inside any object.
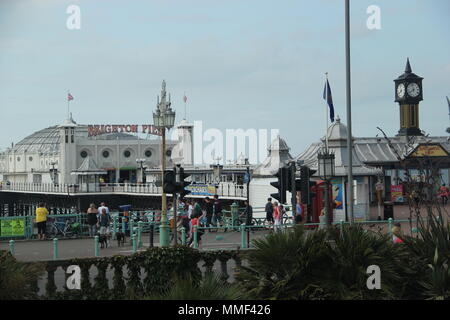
{"x":326,"y":113}
{"x":184,"y":98}
{"x":68,"y":101}
{"x":349,"y":113}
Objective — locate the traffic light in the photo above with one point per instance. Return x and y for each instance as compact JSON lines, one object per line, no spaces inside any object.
{"x":306,"y":184}
{"x":181,"y":184}
{"x":169,"y":185}
{"x":283,"y":184}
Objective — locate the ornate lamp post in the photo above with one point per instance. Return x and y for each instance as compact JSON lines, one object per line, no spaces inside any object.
{"x":326,"y":171}
{"x":163,"y":118}
{"x":141,"y":166}
{"x":53,"y":172}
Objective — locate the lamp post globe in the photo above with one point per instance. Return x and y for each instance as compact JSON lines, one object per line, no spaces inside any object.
{"x":163,"y":118}
{"x":325,"y":169}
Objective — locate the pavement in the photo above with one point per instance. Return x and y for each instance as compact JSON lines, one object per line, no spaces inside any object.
{"x":37,"y":250}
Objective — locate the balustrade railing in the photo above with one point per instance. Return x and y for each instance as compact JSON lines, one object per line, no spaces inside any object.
{"x":223,"y":189}
{"x":116,"y":276}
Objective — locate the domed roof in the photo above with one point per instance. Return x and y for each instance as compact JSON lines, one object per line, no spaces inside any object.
{"x":45,"y":141}
{"x":336,"y":131}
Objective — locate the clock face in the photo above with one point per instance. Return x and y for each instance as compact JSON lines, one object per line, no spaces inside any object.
{"x":401,"y":90}
{"x":413,"y":90}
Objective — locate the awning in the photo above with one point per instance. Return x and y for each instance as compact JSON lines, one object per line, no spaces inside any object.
{"x":128,"y":168}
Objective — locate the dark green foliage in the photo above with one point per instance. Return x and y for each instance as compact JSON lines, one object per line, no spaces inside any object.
{"x":431,"y":254}
{"x":288,"y":265}
{"x":18,"y":280}
{"x":315,"y":265}
{"x":211,"y":287}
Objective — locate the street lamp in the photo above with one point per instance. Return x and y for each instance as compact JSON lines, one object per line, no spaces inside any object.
{"x":141,"y":165}
{"x":326,"y":171}
{"x":163,"y":118}
{"x":53,"y":172}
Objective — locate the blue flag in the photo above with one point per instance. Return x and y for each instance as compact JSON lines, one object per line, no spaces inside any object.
{"x":448,"y":102}
{"x":327,"y":96}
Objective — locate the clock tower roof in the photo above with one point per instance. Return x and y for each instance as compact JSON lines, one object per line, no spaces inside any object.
{"x":408,"y":74}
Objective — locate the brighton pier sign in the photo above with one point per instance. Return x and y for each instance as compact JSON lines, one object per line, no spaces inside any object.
{"x":98,"y":129}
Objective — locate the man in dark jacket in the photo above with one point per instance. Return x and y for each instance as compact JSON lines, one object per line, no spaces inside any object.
{"x":269,"y":211}
{"x":209,"y":211}
{"x":217,"y":210}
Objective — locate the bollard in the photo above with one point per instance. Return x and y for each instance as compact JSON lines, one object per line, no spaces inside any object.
{"x":123,"y":225}
{"x":11,"y":247}
{"x":114,"y":228}
{"x":96,"y":246}
{"x":234,"y":208}
{"x":139,"y":234}
{"x":152,"y":228}
{"x":55,"y":248}
{"x":390,"y":226}
{"x":131,"y":225}
{"x":183,"y":236}
{"x":195,"y":236}
{"x":243,"y":244}
{"x":133,"y":240}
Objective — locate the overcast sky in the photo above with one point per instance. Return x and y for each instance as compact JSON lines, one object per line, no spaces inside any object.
{"x":243,"y":64}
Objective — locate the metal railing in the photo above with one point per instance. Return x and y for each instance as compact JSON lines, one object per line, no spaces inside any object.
{"x":223,"y":189}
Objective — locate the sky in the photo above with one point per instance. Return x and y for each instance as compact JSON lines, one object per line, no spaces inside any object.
{"x":243,"y":64}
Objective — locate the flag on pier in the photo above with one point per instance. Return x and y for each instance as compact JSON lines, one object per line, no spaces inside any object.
{"x":327,"y":96}
{"x":448,"y":102}
{"x":69,"y":97}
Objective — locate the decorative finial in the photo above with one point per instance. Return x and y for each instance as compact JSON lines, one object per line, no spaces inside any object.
{"x":408,"y":66}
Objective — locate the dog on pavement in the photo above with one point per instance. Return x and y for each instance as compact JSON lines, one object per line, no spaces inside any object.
{"x":120,"y":236}
{"x":103,"y":240}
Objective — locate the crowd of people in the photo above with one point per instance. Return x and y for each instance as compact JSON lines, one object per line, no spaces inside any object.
{"x":275,"y":212}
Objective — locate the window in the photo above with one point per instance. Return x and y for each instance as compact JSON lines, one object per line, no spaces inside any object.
{"x":105,"y":154}
{"x":18,"y":159}
{"x":148,"y":153}
{"x":127,"y":153}
{"x":83,"y":154}
{"x":30,"y":159}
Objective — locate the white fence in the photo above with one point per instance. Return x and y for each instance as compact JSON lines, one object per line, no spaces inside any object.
{"x":226,"y":189}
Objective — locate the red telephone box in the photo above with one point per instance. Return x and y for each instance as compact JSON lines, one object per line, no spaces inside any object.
{"x":318,"y":201}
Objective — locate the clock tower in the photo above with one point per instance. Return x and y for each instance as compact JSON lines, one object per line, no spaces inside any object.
{"x":408,"y":94}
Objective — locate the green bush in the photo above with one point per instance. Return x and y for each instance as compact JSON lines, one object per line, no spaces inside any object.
{"x":18,"y":280}
{"x":211,"y":287}
{"x":298,"y":264}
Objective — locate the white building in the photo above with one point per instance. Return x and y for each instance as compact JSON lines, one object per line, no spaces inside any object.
{"x":56,"y":154}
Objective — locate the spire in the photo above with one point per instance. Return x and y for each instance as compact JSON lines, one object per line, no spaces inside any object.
{"x":408,"y":66}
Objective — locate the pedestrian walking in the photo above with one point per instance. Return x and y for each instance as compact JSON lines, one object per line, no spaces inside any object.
{"x":195,"y":221}
{"x":103,"y":206}
{"x":92,"y":220}
{"x":41,"y":220}
{"x":247,"y":215}
{"x":103,"y":222}
{"x":397,"y":233}
{"x":443,"y":193}
{"x":277,"y":216}
{"x":209,"y":211}
{"x":299,"y":210}
{"x":217,"y":211}
{"x":269,"y":211}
